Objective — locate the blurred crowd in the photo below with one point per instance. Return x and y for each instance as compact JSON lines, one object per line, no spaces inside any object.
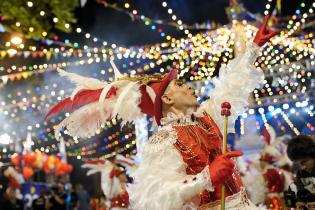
{"x":60,"y":196}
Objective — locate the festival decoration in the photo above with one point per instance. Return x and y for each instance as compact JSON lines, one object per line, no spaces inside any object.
{"x":286,"y":96}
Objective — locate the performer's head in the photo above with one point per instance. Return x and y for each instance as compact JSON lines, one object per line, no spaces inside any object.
{"x":171,"y":95}
{"x":178,"y":98}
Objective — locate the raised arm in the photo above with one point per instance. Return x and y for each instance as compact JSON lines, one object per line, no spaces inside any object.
{"x":237,"y":80}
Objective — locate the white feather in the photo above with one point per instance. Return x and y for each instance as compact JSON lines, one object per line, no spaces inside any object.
{"x":256,"y":187}
{"x":83,"y":122}
{"x":128,"y":163}
{"x":102,"y":101}
{"x":151,"y":93}
{"x":110,"y":186}
{"x":126,"y":106}
{"x":82,"y":82}
{"x":116,"y":71}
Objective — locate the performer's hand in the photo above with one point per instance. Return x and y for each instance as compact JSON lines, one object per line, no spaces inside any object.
{"x":222,"y":167}
{"x":264,"y":33}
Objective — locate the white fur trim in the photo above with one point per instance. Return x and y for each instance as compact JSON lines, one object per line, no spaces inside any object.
{"x":235,"y":83}
{"x":237,"y":201}
{"x":11,"y":172}
{"x":160,"y":180}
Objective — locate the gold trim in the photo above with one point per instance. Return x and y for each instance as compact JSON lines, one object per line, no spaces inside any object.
{"x":144,"y":79}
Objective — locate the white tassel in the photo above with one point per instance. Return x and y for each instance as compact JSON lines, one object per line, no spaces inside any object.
{"x":116,"y":71}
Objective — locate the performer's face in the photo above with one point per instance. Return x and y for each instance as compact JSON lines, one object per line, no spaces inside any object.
{"x":180,"y":96}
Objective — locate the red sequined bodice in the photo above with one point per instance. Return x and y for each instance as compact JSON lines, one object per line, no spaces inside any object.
{"x":199,"y":144}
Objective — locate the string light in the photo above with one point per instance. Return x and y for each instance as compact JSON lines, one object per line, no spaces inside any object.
{"x":205,"y":52}
{"x":288,"y":121}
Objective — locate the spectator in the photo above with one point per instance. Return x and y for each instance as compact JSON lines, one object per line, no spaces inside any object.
{"x":58,"y":198}
{"x":73,"y":198}
{"x":40,"y":202}
{"x":11,"y":200}
{"x":83,"y":197}
{"x":301,"y":150}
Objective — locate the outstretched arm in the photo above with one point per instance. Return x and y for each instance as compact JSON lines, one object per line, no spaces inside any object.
{"x":237,"y":80}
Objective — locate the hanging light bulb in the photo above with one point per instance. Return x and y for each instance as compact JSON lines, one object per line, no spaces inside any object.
{"x":16,"y":40}
{"x":5,"y":139}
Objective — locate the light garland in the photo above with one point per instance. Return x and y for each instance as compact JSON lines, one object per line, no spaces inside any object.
{"x":290,"y":124}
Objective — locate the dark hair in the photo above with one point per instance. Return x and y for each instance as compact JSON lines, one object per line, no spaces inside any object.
{"x":301,"y":146}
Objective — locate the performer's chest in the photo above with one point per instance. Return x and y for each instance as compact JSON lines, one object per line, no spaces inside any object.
{"x":198,"y":144}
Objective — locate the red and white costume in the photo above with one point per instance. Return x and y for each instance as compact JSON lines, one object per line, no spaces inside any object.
{"x":173,"y":173}
{"x":274,"y":172}
{"x":114,"y":190}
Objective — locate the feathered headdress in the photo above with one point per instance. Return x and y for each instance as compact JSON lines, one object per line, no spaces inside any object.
{"x":93,"y":102}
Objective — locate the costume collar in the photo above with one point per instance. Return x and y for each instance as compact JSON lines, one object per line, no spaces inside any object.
{"x":181,"y":119}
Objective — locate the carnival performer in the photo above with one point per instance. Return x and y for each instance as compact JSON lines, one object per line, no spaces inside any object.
{"x":113,"y":180}
{"x":266,"y":178}
{"x":182,"y":165}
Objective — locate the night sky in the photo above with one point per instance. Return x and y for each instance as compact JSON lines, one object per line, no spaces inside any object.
{"x":117,"y":27}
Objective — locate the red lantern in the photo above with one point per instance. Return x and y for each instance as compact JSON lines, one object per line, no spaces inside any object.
{"x":49,"y":164}
{"x":27,"y":172}
{"x":39,"y":160}
{"x":29,"y":158}
{"x":69,"y":168}
{"x":15,"y":159}
{"x":59,"y":168}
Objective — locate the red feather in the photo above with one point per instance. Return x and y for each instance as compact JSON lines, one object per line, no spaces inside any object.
{"x":82,"y":98}
{"x":62,"y":106}
{"x":85,"y":97}
{"x":266,"y":134}
{"x":94,"y":161}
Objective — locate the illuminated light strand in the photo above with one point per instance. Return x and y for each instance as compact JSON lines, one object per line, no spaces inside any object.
{"x":174,"y":18}
{"x":284,"y":36}
{"x":121,"y":150}
{"x":263,"y":116}
{"x":290,"y":124}
{"x":134,"y":14}
{"x":267,"y":7}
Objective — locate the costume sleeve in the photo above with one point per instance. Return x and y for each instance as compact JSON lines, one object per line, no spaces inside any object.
{"x":235,"y":83}
{"x":160,"y":181}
